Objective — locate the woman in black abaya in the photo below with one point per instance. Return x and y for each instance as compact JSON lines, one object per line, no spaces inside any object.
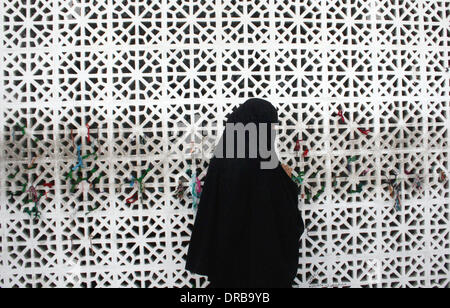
{"x":248,"y":226}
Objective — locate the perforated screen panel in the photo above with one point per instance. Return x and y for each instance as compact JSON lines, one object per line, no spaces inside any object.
{"x":104,"y":105}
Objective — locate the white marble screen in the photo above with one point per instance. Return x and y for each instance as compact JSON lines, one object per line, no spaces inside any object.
{"x":132,"y":86}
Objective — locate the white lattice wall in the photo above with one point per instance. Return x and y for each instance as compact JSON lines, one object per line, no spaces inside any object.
{"x":146,"y":68}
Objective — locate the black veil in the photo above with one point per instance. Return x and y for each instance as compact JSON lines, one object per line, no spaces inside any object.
{"x":247,"y":229}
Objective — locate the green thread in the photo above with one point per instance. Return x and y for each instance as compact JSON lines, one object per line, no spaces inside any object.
{"x":319,"y":193}
{"x":91,"y":154}
{"x":12,"y":176}
{"x":359,"y":189}
{"x":22,"y":128}
{"x":308,"y":194}
{"x":352,"y":159}
{"x":32,"y":167}
{"x":28,"y":201}
{"x":91,"y":209}
{"x":69,"y":175}
{"x":314,"y":175}
{"x":141,"y":179}
{"x":298,"y":179}
{"x":97,"y":180}
{"x":34,"y":211}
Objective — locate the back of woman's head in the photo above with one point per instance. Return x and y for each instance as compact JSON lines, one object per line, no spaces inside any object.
{"x":250,"y":134}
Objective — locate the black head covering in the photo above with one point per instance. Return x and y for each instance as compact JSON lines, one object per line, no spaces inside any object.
{"x":254,"y":111}
{"x":248,"y":226}
{"x":259,"y":113}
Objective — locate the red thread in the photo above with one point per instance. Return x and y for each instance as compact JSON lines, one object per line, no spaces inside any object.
{"x":297,"y":146}
{"x":341,"y":115}
{"x":364,"y":131}
{"x":89,"y":133}
{"x":49,"y":185}
{"x":133,"y":199}
{"x":306,"y":153}
{"x":41,"y":174}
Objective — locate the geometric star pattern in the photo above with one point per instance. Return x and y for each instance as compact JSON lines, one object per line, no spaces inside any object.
{"x":150,"y":82}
